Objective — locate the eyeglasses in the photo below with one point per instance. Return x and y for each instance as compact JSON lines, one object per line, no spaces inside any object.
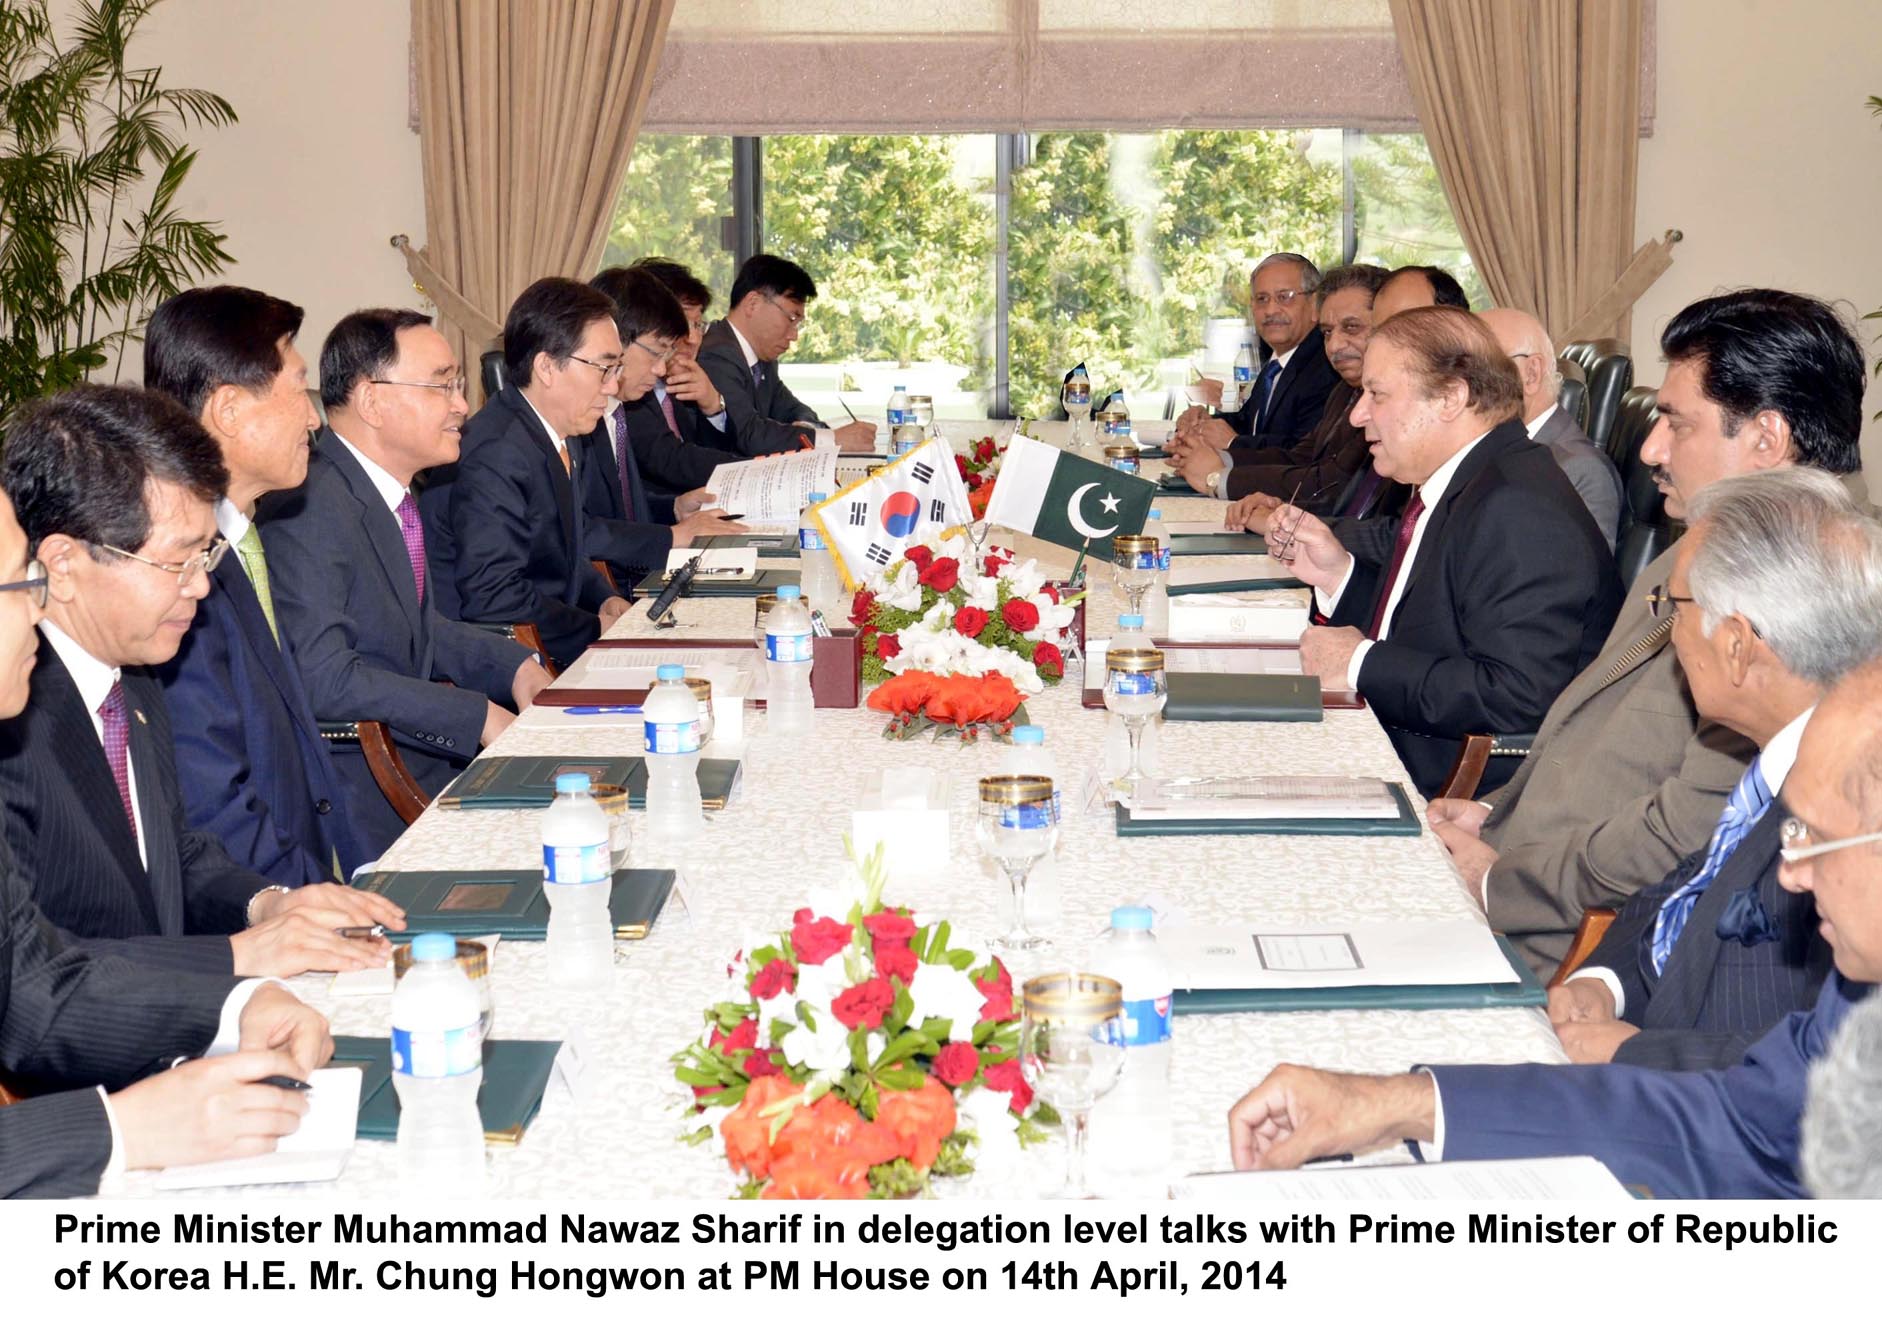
{"x":1797,"y":846}
{"x":657,"y":355}
{"x":1663,"y":602}
{"x":455,"y":386}
{"x":793,"y":318}
{"x":35,"y":584}
{"x":1284,"y":297}
{"x":609,"y":371}
{"x":205,"y":560}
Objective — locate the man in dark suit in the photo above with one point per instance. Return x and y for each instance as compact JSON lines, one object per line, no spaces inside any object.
{"x":71,"y":1020}
{"x":115,"y":489}
{"x":741,"y":356}
{"x":679,"y":428}
{"x":505,"y":533}
{"x":1682,"y":1134}
{"x":629,"y":527}
{"x":354,"y":592}
{"x":254,"y":770}
{"x":1497,"y":587}
{"x":1788,"y":575}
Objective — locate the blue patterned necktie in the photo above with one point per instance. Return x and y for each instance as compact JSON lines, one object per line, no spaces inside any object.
{"x":757,"y":376}
{"x":1743,"y":807}
{"x":1265,"y":389}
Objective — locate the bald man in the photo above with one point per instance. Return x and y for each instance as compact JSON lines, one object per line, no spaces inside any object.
{"x":1590,"y":471}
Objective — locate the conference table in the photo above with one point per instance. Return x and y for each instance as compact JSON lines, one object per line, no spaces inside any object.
{"x":617,"y":1135}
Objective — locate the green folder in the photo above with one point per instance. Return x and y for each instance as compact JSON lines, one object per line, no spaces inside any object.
{"x":1524,"y":991}
{"x":516,"y":1073}
{"x":529,"y":782}
{"x":1175,"y":483}
{"x":1236,"y":585}
{"x":1218,"y":544}
{"x":765,"y":581}
{"x":509,"y":901}
{"x":1196,"y":696}
{"x":1405,"y":824}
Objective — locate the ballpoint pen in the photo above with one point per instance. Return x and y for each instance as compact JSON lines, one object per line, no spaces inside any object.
{"x":287,"y":1082}
{"x":362,"y":930}
{"x":604,"y":710}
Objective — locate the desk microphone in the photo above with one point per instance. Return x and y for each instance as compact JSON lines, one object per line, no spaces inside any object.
{"x":676,"y":588}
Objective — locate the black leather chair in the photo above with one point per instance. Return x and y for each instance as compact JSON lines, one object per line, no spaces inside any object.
{"x":1609,"y":367}
{"x":1645,"y":529}
{"x":1573,"y":400}
{"x":493,"y":371}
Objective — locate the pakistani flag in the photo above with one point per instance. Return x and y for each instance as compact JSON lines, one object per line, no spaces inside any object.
{"x":867,"y":525}
{"x":1066,"y":500}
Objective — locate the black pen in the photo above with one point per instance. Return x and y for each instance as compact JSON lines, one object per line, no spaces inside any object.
{"x":287,"y":1082}
{"x":364,"y":930}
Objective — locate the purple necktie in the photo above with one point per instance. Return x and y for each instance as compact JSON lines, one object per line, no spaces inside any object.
{"x":117,"y":739}
{"x":413,"y":531}
{"x":1408,"y":526}
{"x":620,"y":459}
{"x":673,"y":419}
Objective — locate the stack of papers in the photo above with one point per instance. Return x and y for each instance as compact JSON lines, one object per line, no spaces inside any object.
{"x":1411,"y":953}
{"x":772,"y":491}
{"x":1246,"y":798}
{"x":316,"y":1152}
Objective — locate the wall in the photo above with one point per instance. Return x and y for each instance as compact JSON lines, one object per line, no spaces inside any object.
{"x":323,"y":168}
{"x":1764,"y":153}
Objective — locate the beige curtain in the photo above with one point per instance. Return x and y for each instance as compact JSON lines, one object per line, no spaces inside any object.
{"x":528,"y":110}
{"x":1531,"y":110}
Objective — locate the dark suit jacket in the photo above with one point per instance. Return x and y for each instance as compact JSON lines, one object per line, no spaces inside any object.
{"x":1511,"y":594}
{"x":1716,"y":1134}
{"x":766,"y":419}
{"x":1589,"y":471}
{"x":504,"y":531}
{"x":674,"y":465}
{"x":1317,"y":467}
{"x":71,"y":1019}
{"x":1299,"y":394}
{"x":369,"y":650}
{"x":255,"y":773}
{"x":633,"y":541}
{"x":70,"y":836}
{"x":1716,"y":997}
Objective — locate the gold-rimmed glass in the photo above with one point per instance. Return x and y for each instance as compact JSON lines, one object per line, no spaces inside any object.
{"x":204,"y":561}
{"x":1135,"y":687}
{"x":1018,"y":825}
{"x":1135,"y":565}
{"x":1071,"y":1050}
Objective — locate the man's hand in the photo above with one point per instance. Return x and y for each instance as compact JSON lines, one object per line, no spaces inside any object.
{"x":1593,"y":1044}
{"x":1305,"y":544}
{"x":354,"y":908}
{"x":693,"y":502}
{"x":704,"y":523}
{"x":497,"y":719}
{"x":686,"y":380}
{"x":1582,"y":1001}
{"x":1328,"y":653}
{"x":1197,"y":464}
{"x":208,"y":1110}
{"x":308,"y":938}
{"x":855,"y":436}
{"x":1466,"y":815}
{"x":531,"y":678}
{"x":1251,"y":513}
{"x":1210,"y":432}
{"x":1470,"y":856}
{"x":612,"y":610}
{"x":1297,"y":1114}
{"x":276,"y":1020}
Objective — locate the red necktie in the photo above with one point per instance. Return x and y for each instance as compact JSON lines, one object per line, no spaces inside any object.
{"x":1407,"y":527}
{"x":117,"y":741}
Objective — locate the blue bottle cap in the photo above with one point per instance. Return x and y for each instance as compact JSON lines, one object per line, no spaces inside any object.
{"x":1131,"y":622}
{"x":669,"y":671}
{"x":816,"y":498}
{"x":572,"y":783}
{"x":434,"y":946}
{"x":1132,"y":918}
{"x":1156,"y":514}
{"x":789,"y":592}
{"x":1029,"y":734}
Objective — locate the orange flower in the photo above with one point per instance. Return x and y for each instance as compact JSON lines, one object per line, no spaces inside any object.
{"x":803,"y":1177}
{"x":907,"y":692}
{"x":962,"y":700}
{"x":826,"y":1151}
{"x":747,"y":1129}
{"x":979,"y":499}
{"x":920,"y":1119}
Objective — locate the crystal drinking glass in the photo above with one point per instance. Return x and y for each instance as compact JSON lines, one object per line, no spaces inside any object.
{"x":1077,"y":400}
{"x":1135,"y":565}
{"x":1071,"y":1050}
{"x":1017,"y":827}
{"x":1135,"y":688}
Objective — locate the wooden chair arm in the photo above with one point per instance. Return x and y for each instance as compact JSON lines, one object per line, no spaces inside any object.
{"x":1473,"y":759}
{"x":607,"y":575}
{"x":1588,"y":934}
{"x":8,"y":1096}
{"x":526,"y":634}
{"x":386,"y":763}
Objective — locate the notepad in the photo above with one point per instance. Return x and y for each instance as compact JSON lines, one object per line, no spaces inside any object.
{"x":1257,"y":797}
{"x":316,"y":1152}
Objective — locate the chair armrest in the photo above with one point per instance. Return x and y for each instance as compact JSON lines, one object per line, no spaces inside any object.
{"x":1473,"y":758}
{"x":389,"y":771}
{"x":1588,"y":934}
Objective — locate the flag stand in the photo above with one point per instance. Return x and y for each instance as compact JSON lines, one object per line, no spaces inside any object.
{"x":1078,"y":566}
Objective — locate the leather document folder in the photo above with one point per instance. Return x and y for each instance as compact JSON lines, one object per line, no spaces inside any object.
{"x":1206,"y":696}
{"x":529,"y":782}
{"x":1405,"y":824}
{"x":516,"y":1074}
{"x":760,"y":584}
{"x":509,"y":901}
{"x":1218,"y":544}
{"x":1525,"y":990}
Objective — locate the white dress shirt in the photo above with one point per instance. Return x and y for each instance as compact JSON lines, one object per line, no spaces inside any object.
{"x":556,"y":439}
{"x":1431,"y":492}
{"x":825,"y":436}
{"x":1228,"y":461}
{"x":390,"y":489}
{"x":1534,"y":425}
{"x":94,"y":679}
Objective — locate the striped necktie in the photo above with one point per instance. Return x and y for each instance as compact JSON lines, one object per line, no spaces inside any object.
{"x":1743,"y":807}
{"x":116,"y":733}
{"x":255,"y":566}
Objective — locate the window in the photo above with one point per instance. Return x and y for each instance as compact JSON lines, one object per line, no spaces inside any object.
{"x":1114,"y":249}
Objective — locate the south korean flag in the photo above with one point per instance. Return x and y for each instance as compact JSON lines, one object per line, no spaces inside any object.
{"x":869,"y":523}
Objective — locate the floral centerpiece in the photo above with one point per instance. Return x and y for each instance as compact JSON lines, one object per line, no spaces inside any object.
{"x":980,"y":468}
{"x":860,"y":1052}
{"x":957,"y":637}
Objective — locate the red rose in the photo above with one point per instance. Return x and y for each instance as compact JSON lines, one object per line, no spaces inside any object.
{"x":975,"y":481}
{"x":741,"y":1038}
{"x":1048,"y":660}
{"x":864,"y":1005}
{"x":1051,"y":590}
{"x":956,"y":1063}
{"x":778,"y":976}
{"x":970,"y":620}
{"x":888,"y":927}
{"x":918,"y":557}
{"x":816,"y":940}
{"x":1003,"y":1076}
{"x":860,"y":607}
{"x":983,"y":449}
{"x":960,"y":462}
{"x":994,"y":564}
{"x":760,"y":1064}
{"x":1020,"y":615}
{"x":887,"y":646}
{"x":896,"y":961}
{"x":941,"y":574}
{"x":997,"y":988}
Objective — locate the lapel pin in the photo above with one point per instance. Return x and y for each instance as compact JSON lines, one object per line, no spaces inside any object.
{"x":138,"y":712}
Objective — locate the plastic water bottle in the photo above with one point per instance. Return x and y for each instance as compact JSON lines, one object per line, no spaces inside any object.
{"x":899,"y":412}
{"x":1157,"y":599}
{"x":1027,"y":755}
{"x":1235,"y":393}
{"x":1131,"y":1125}
{"x":671,"y":740}
{"x":578,"y":878}
{"x":437,"y":1068}
{"x":821,"y":588}
{"x":789,"y":707}
{"x":1117,"y":741}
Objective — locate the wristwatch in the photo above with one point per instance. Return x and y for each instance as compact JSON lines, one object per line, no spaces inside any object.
{"x":1214,"y":482}
{"x":249,"y":913}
